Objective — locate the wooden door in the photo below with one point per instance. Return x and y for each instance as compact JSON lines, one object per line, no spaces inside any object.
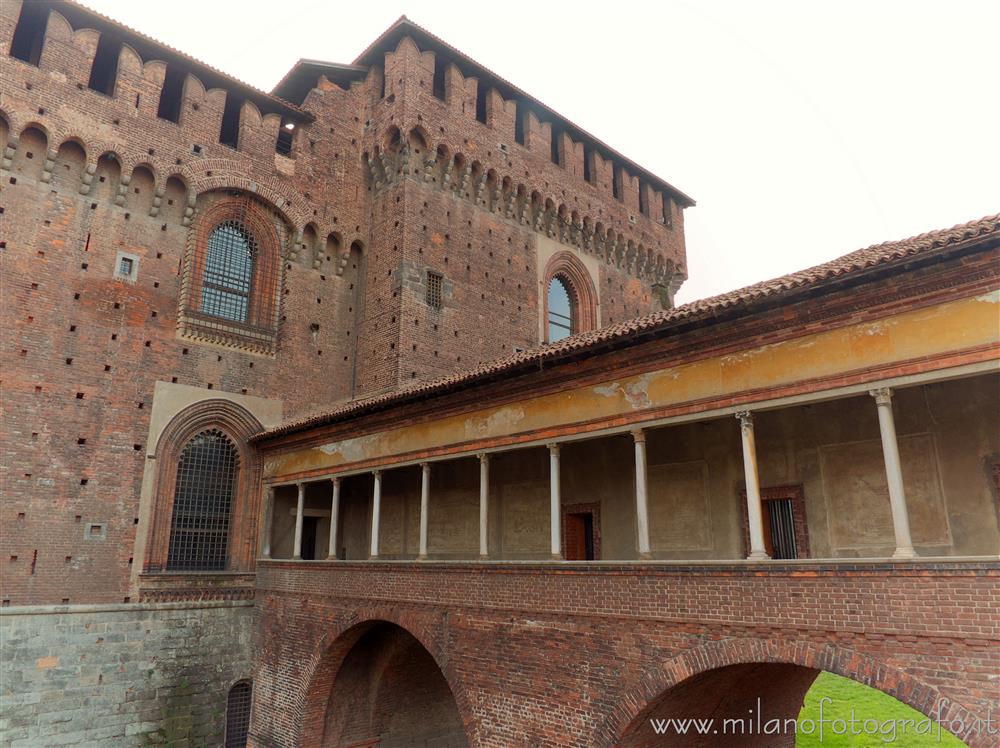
{"x":576,"y":538}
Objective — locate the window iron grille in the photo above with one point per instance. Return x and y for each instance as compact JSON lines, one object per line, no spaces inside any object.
{"x":434,"y":296}
{"x":203,"y":500}
{"x":238,"y":714}
{"x":229,"y":262}
{"x":782,"y":526}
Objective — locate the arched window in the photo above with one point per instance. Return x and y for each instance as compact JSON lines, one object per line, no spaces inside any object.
{"x":561,"y":316}
{"x":238,"y":714}
{"x":203,"y":502}
{"x":231,"y":290}
{"x":229,"y":263}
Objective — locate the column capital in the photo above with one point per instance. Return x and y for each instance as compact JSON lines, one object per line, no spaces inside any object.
{"x":882,"y":395}
{"x":638,"y":435}
{"x":425,"y":466}
{"x":301,"y":485}
{"x":745,"y":417}
{"x":553,"y":448}
{"x":484,"y":457}
{"x":377,"y":473}
{"x":335,"y":480}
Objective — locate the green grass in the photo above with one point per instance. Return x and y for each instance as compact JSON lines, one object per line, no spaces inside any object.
{"x":868,"y":704}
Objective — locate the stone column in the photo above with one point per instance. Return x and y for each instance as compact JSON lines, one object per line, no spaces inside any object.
{"x":268,"y":521}
{"x":641,"y":494}
{"x":893,"y":474}
{"x":555,"y":502}
{"x":484,"y":508}
{"x":299,"y":512}
{"x":334,"y":518}
{"x":376,"y":511}
{"x":758,"y":551}
{"x":425,"y":500}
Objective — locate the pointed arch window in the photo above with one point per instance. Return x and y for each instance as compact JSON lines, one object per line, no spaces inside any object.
{"x":560,"y":307}
{"x":203,"y":502}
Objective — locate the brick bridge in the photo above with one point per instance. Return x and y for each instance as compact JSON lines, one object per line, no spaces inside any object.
{"x":537,"y":654}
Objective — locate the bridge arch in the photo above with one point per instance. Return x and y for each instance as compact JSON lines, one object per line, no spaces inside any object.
{"x":724,"y":678}
{"x":383,"y":678}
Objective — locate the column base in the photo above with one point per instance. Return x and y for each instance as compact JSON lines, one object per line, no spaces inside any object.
{"x":758,"y":556}
{"x":905,"y":553}
{"x":331,"y":558}
{"x":484,"y":557}
{"x":296,"y":558}
{"x":556,"y":557}
{"x":645,"y":556}
{"x":421,"y":557}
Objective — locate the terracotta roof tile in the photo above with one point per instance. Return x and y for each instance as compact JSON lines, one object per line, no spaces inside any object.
{"x":854,"y":262}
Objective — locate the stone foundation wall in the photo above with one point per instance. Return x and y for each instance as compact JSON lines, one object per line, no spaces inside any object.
{"x":121,"y":675}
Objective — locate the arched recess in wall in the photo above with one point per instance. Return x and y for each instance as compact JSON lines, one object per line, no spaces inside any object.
{"x":379,"y":680}
{"x":309,"y":248}
{"x":70,"y":165}
{"x":29,"y":157}
{"x":107,"y":177}
{"x":233,"y":271}
{"x":139,"y":193}
{"x":566,"y":269}
{"x":332,"y":248}
{"x":4,"y":130}
{"x":174,"y":200}
{"x":193,"y":470}
{"x":418,"y":141}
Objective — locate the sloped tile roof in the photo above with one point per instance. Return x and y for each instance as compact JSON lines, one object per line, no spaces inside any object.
{"x":855,"y":262}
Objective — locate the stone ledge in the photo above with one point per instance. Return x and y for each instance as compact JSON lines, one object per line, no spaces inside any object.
{"x":797,"y":567}
{"x":37,"y":610}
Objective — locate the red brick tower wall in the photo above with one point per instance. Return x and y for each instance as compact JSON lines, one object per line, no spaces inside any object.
{"x":357,"y":217}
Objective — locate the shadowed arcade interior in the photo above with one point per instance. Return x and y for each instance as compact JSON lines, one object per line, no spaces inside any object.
{"x":727,"y":693}
{"x":390,"y":692}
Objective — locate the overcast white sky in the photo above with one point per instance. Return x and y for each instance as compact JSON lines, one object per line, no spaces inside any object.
{"x":803,"y":129}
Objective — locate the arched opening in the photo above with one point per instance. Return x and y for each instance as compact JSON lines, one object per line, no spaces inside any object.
{"x":560,"y":310}
{"x":139,"y":195}
{"x":106,"y":178}
{"x":203,"y":502}
{"x":29,"y":159}
{"x":174,"y":200}
{"x":238,"y":714}
{"x":775,"y":704}
{"x":570,"y":301}
{"x":309,"y":249}
{"x":390,"y":692}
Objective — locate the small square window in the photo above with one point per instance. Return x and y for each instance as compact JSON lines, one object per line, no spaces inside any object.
{"x":127,"y":267}
{"x":434,"y":295}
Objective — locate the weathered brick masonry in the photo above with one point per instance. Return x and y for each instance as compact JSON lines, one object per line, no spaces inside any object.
{"x":399,"y":220}
{"x":384,"y":182}
{"x":545,"y":657}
